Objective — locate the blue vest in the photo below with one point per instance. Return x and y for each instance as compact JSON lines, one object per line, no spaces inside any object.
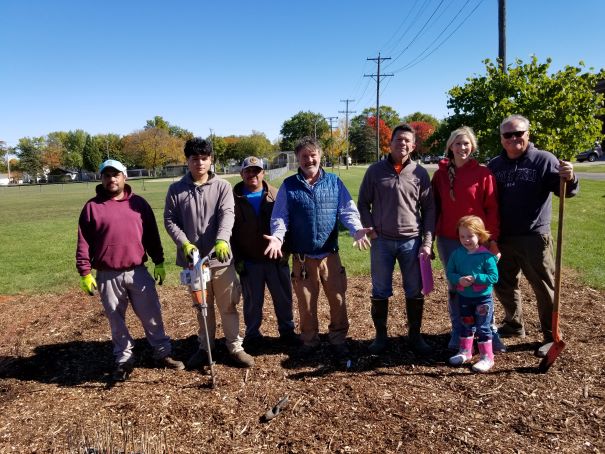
{"x":313,"y":214}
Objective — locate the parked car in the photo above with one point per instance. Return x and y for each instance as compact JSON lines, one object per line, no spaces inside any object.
{"x":590,"y":155}
{"x":431,"y":159}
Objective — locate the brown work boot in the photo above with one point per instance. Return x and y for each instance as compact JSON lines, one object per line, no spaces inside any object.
{"x":242,"y":359}
{"x":169,"y":363}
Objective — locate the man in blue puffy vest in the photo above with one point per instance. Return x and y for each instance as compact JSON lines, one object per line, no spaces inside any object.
{"x":309,"y":205}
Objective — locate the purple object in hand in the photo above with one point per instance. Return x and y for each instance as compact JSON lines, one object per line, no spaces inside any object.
{"x":426,"y":272}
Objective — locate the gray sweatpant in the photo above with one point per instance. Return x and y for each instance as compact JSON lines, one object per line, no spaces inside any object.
{"x":116,"y":289}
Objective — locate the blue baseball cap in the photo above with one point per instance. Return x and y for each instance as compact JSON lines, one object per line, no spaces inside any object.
{"x":112,"y":163}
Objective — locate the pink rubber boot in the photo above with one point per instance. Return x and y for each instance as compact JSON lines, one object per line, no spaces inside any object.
{"x":465,"y":352}
{"x":487,"y":357}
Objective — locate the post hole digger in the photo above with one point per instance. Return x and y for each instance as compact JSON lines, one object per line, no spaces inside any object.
{"x":558,"y":345}
{"x":196,"y":277}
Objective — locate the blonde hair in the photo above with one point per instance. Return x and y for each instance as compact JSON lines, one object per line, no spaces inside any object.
{"x":475,"y":225}
{"x":451,"y":165}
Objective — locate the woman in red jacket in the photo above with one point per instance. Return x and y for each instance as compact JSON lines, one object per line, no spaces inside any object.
{"x":463,"y":187}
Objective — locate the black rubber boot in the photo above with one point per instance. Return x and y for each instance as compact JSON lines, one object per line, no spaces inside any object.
{"x":414,"y":308}
{"x":380,"y":312}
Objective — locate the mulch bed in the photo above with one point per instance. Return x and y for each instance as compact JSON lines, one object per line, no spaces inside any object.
{"x":56,"y":396}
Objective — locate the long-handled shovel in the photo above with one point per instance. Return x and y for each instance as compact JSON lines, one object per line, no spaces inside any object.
{"x":558,"y":344}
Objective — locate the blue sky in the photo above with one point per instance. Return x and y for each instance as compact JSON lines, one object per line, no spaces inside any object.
{"x":238,"y":66}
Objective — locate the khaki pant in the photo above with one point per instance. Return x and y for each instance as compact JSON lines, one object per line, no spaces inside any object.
{"x":532,"y":255}
{"x":224,"y":288}
{"x":329,"y":274}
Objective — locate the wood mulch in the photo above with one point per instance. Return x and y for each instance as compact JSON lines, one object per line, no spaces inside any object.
{"x":56,"y":396}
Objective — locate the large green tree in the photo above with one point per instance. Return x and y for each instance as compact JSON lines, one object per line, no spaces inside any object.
{"x":362,"y":140}
{"x":110,"y":146}
{"x":30,"y":151}
{"x":4,"y":150}
{"x":301,"y":125}
{"x":91,"y":155}
{"x":561,"y":106}
{"x":174,"y":130}
{"x":424,"y":117}
{"x":73,"y":149}
{"x":387,"y":114}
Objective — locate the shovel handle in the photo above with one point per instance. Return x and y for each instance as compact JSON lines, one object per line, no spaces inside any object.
{"x":558,"y":260}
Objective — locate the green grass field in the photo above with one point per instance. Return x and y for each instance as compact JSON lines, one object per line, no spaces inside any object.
{"x":39,"y":223}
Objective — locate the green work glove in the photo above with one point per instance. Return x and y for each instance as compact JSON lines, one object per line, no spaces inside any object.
{"x":240,"y":267}
{"x":221,"y":248}
{"x":159,"y":273}
{"x":88,"y":283}
{"x":188,"y":250}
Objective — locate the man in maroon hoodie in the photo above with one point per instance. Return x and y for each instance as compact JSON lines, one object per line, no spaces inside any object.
{"x":116,"y":231}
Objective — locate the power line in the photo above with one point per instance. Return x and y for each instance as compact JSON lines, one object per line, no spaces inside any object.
{"x":419,"y":32}
{"x":440,"y":34}
{"x":412,"y":63}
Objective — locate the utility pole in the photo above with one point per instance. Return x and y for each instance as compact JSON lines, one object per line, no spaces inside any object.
{"x":347,"y":112}
{"x":502,"y":34}
{"x":377,"y":77}
{"x":331,"y":119}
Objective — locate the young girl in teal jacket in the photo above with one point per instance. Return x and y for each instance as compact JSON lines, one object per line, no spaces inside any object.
{"x":472,"y":270}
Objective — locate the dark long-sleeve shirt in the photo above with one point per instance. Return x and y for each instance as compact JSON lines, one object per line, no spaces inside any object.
{"x":525,"y":188}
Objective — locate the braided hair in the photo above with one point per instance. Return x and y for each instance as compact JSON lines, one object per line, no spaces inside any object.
{"x":451,"y":165}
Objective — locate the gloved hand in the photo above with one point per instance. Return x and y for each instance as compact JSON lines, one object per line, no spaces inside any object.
{"x":88,"y":283}
{"x":188,"y":249}
{"x":159,"y":273}
{"x":240,"y":267}
{"x":222,"y":250}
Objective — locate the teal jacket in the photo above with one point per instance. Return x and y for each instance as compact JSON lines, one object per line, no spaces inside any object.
{"x":481,"y":264}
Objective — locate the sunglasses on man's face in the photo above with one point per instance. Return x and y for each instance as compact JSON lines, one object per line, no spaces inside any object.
{"x":517,"y":134}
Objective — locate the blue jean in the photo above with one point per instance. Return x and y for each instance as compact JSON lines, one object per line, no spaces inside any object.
{"x":445,"y":248}
{"x":383,"y":254}
{"x":477,"y":313}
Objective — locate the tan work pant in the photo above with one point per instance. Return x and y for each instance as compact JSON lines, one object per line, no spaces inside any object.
{"x":224,"y":288}
{"x":330,"y":274}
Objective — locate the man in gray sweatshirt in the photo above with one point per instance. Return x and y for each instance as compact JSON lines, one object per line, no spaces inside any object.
{"x":198,"y":215}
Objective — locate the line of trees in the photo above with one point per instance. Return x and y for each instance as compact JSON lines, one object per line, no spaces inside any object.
{"x":563,"y":108}
{"x":154,"y":146}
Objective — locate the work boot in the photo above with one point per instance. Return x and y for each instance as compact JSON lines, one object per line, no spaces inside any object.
{"x":291,"y":339}
{"x":465,"y":352}
{"x":507,"y":330}
{"x":341,"y":354}
{"x":414,"y":308}
{"x":487,"y":357}
{"x":122,"y":371}
{"x":242,"y":359}
{"x":169,"y":363}
{"x":379,"y":312}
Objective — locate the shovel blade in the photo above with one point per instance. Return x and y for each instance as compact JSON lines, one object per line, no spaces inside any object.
{"x":553,"y":352}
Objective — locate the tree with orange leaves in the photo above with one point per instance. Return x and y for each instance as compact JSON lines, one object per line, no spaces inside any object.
{"x":423,"y":131}
{"x":384,"y":134}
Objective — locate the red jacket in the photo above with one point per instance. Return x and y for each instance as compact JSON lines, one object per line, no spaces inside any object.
{"x":475,"y":192}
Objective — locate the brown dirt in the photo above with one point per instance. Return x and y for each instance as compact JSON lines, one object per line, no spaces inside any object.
{"x":55,"y":396}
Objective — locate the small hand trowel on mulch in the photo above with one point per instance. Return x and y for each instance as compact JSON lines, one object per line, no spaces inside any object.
{"x":558,"y":344}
